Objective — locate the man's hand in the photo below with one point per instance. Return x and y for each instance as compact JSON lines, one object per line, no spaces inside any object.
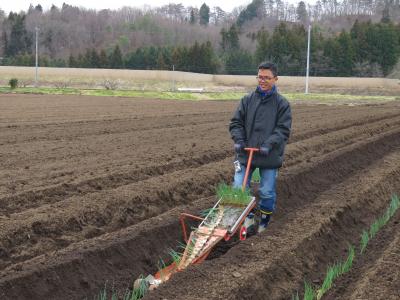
{"x":265,"y":151}
{"x":239,"y":147}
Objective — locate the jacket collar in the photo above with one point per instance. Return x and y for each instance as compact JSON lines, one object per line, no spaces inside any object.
{"x":266,"y":94}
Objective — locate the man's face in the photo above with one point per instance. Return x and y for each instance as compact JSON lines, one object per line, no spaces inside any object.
{"x":266,"y":79}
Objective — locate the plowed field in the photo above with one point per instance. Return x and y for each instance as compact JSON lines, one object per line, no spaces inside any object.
{"x":91,"y":190}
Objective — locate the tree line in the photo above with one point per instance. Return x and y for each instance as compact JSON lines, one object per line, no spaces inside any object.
{"x":367,"y":49}
{"x":133,"y":39}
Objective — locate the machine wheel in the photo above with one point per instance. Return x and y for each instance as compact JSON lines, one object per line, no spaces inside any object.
{"x":242,"y":233}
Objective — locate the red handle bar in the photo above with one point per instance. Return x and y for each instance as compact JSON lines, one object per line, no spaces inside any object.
{"x":251,"y":151}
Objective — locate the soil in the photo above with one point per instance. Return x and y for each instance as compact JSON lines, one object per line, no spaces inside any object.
{"x":91,"y":190}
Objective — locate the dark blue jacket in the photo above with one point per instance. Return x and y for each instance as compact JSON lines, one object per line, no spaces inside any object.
{"x":262,"y":121}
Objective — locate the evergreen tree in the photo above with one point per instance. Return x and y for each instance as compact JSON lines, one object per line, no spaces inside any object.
{"x":288,"y":48}
{"x":48,"y":42}
{"x":280,"y":49}
{"x":185,"y":62}
{"x":318,"y":62}
{"x":103,"y":59}
{"x":150,"y":60}
{"x":301,"y":11}
{"x":359,"y":38}
{"x":176,"y":58}
{"x":72,"y":63}
{"x":39,"y":8}
{"x":388,"y":45}
{"x":345,"y":54}
{"x":115,"y":58}
{"x":232,"y":38}
{"x":331,"y":48}
{"x":192,"y":19}
{"x":239,"y":62}
{"x":209,"y":60}
{"x":131,"y":59}
{"x":80,"y":61}
{"x":262,"y":50}
{"x":4,"y":38}
{"x":204,"y":13}
{"x":54,"y":9}
{"x":385,"y":13}
{"x":224,"y":39}
{"x":194,"y":57}
{"x":253,"y":10}
{"x":161,"y":65}
{"x":20,"y":41}
{"x":94,"y":59}
{"x":87,"y":59}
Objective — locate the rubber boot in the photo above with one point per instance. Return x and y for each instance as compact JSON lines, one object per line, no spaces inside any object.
{"x":264,"y":221}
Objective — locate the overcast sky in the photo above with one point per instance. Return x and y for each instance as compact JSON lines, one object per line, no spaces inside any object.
{"x":17,"y":5}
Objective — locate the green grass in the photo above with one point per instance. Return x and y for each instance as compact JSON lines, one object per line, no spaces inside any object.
{"x":335,"y":271}
{"x":169,"y":95}
{"x":337,"y":98}
{"x":233,"y":196}
{"x":364,"y":241}
{"x":379,"y":223}
{"x":341,"y":268}
{"x":346,"y":266}
{"x":126,"y":93}
{"x":309,"y":292}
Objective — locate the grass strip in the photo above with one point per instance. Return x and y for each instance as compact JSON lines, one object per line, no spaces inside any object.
{"x":379,"y":223}
{"x":233,"y":196}
{"x":341,"y":268}
{"x":174,"y":95}
{"x":163,"y":95}
{"x":335,"y":271}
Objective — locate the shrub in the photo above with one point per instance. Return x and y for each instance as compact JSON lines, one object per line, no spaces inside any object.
{"x":13,"y":83}
{"x":61,"y":84}
{"x":109,"y":84}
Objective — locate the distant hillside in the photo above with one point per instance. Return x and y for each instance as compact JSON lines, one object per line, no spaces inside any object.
{"x":349,"y":38}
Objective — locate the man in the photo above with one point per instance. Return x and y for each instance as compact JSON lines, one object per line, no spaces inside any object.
{"x":262,"y":120}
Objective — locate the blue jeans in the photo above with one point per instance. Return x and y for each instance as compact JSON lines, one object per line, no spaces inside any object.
{"x":266,"y":191}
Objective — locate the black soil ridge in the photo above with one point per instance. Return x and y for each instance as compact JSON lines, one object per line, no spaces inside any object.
{"x":319,"y":172}
{"x":168,"y":123}
{"x":38,"y":197}
{"x":302,"y":136}
{"x":32,"y":199}
{"x":375,"y":249}
{"x":118,"y":258}
{"x":92,"y":223}
{"x":285,"y":274}
{"x":346,"y":160}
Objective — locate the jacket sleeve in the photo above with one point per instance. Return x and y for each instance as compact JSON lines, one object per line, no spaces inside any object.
{"x":283,"y":126}
{"x":237,"y":124}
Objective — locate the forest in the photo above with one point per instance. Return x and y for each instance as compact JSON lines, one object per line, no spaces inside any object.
{"x":349,"y":38}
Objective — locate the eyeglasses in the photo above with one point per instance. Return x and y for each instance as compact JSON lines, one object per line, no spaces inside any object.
{"x":264,"y":78}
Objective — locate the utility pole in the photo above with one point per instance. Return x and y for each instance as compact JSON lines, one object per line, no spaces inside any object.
{"x":37,"y":57}
{"x":173,"y":78}
{"x":308,"y":56}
